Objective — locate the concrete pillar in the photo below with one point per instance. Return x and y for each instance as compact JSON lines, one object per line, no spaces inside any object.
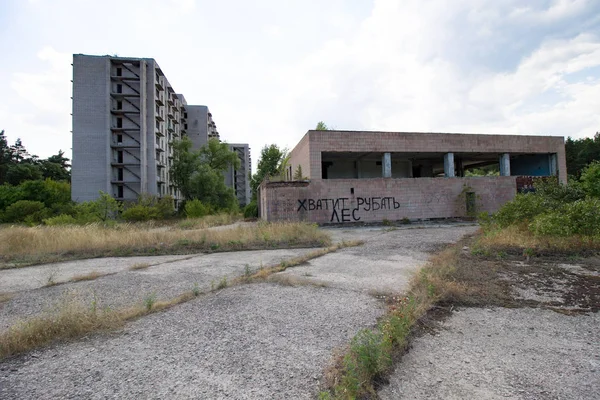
{"x":505,"y":164}
{"x":553,"y":164}
{"x":449,"y":165}
{"x":386,"y":164}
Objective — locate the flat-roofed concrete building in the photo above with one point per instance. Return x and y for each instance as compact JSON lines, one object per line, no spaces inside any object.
{"x":125,"y":115}
{"x":372,"y":176}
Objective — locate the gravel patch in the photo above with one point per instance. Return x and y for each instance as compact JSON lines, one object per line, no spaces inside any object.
{"x":249,"y":342}
{"x":166,"y":280}
{"x":503,"y":353}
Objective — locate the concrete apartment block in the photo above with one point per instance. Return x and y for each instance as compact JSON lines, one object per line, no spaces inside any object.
{"x":371,"y":176}
{"x":239,"y":179}
{"x":126,"y":114}
{"x":199,"y":125}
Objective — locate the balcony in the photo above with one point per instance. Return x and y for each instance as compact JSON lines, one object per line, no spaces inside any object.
{"x":159,"y":101}
{"x":121,"y":111}
{"x":171,"y":128}
{"x":159,"y":116}
{"x":122,"y":145}
{"x":159,"y":85}
{"x":159,"y":133}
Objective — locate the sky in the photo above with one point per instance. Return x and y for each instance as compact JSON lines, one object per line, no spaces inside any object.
{"x":269,"y":70}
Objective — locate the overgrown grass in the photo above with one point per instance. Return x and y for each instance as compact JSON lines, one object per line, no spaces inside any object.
{"x":73,"y":317}
{"x":370,"y":353}
{"x":209,"y":221}
{"x":20,"y":246}
{"x":519,"y":239}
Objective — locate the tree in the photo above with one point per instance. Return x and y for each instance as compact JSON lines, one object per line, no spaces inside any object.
{"x":268,"y":165}
{"x":580,"y":153}
{"x":18,"y":173}
{"x":321,"y":126}
{"x":5,"y":157}
{"x":298,"y":176}
{"x":56,"y":167}
{"x":19,"y":152}
{"x":199,"y":174}
{"x":218,"y":156}
{"x":590,"y":179}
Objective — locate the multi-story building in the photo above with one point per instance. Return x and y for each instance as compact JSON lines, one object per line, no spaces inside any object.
{"x":239,"y":179}
{"x":125,"y":115}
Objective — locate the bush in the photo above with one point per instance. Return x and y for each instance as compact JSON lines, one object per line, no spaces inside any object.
{"x":551,"y":224}
{"x":590,"y":179}
{"x":139,"y":213}
{"x":25,"y":211}
{"x":251,"y":210}
{"x":523,"y":209}
{"x":62,"y":219}
{"x":196,"y":209}
{"x":581,"y":217}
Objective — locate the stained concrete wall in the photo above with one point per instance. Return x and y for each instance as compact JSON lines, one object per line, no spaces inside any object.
{"x":373,"y":200}
{"x":314,"y":143}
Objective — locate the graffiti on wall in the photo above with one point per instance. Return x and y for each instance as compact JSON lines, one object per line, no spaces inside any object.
{"x":342,"y":209}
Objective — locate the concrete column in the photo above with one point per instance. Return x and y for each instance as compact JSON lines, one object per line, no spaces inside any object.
{"x":386,"y":164}
{"x":449,"y":165}
{"x":505,"y":164}
{"x":553,"y":164}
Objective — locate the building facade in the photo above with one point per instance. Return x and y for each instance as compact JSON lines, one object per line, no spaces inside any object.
{"x":125,"y":115}
{"x":239,"y":179}
{"x":372,"y":176}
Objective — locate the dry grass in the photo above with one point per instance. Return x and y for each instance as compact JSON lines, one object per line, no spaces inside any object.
{"x":73,"y":318}
{"x":4,"y":297}
{"x":26,"y":246}
{"x":87,"y":277}
{"x":209,"y":221}
{"x":137,"y":266}
{"x":518,"y":239}
{"x":263,"y":273}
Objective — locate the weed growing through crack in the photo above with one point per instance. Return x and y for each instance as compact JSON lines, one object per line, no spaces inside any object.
{"x":247,"y":272}
{"x":222,"y":283}
{"x":196,"y":290}
{"x":149,"y":301}
{"x":51,"y":278}
{"x":137,"y":266}
{"x":86,"y":277}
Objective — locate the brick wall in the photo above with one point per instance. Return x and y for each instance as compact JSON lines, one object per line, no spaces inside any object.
{"x":372,"y":200}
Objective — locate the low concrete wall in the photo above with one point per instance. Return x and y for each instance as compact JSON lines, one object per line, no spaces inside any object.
{"x":373,"y":200}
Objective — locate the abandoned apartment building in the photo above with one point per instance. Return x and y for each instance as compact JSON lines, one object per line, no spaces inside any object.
{"x":350,"y":176}
{"x":126,"y":116}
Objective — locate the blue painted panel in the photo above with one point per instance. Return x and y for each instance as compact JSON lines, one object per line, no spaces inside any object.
{"x":530,"y":165}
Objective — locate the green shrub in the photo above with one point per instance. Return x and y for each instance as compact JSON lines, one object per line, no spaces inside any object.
{"x":139,"y":213}
{"x":62,"y":219}
{"x":551,"y":224}
{"x":251,"y":210}
{"x":556,"y":194}
{"x":25,"y":211}
{"x":523,"y":209}
{"x":590,"y":179}
{"x":581,"y":217}
{"x":196,"y":209}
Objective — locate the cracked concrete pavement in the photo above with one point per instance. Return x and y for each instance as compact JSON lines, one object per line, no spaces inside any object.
{"x":251,"y":341}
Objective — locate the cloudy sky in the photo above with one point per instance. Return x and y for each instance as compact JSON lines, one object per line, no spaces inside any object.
{"x":271,"y":69}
